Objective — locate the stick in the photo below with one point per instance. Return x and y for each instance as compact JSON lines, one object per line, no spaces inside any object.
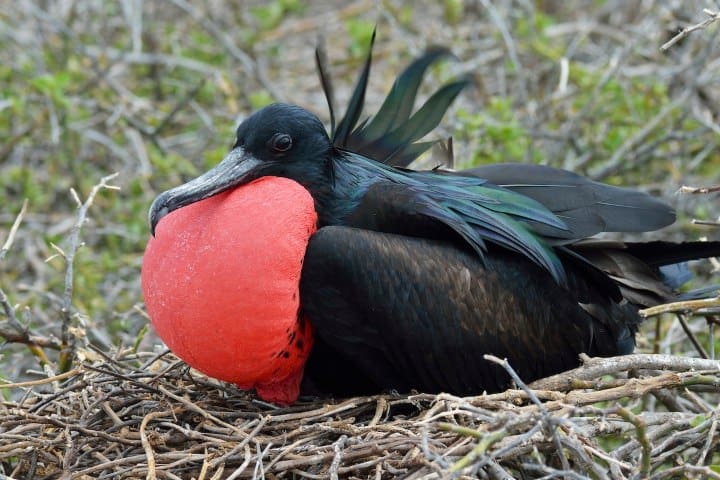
{"x":714,"y":16}
{"x":67,"y":337}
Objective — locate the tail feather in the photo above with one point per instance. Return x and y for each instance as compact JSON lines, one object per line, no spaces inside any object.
{"x":647,"y":273}
{"x":659,"y":253}
{"x":699,"y":293}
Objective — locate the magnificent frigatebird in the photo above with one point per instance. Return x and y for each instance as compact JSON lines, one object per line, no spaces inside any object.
{"x":303,"y":250}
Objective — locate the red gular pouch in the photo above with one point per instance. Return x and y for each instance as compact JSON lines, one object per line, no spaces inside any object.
{"x":221,"y":283}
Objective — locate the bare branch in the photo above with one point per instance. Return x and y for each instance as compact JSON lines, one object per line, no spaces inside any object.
{"x":682,"y":318}
{"x":712,"y":18}
{"x":20,"y":334}
{"x":705,"y":305}
{"x":13,"y":230}
{"x":595,"y":368}
{"x":640,"y":429}
{"x":67,"y":337}
{"x":696,"y":190}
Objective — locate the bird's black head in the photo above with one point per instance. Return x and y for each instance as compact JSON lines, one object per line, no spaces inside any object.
{"x":279,"y":140}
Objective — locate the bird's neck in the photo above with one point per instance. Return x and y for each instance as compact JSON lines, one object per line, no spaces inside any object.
{"x":351,"y":177}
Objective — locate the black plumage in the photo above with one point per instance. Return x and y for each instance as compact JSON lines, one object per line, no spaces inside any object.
{"x":415,"y":313}
{"x":414,"y":275}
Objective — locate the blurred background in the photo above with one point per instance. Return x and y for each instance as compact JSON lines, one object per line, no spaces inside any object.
{"x":153,"y":90}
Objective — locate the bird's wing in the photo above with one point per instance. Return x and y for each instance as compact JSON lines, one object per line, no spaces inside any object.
{"x":586,"y":207}
{"x":400,"y":312}
{"x":443,"y":207}
{"x":391,"y":135}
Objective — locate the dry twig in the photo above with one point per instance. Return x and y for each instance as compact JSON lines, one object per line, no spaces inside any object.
{"x":68,"y":337}
{"x":134,"y":423}
{"x":712,"y":18}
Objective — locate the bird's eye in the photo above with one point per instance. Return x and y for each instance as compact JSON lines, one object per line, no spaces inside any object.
{"x":281,"y":142}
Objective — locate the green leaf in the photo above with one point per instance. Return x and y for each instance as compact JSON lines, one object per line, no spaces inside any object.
{"x":361,"y":32}
{"x":260,"y":99}
{"x":697,"y":420}
{"x":268,"y":15}
{"x":271,"y":14}
{"x":53,"y":86}
{"x":453,"y":10}
{"x":140,"y":336}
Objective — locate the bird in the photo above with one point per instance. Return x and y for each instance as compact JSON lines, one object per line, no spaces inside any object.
{"x":309,"y":262}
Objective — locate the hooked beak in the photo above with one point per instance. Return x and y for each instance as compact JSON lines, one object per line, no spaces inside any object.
{"x":234,"y":170}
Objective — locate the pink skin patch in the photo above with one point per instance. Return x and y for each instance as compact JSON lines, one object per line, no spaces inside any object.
{"x":221,"y":284}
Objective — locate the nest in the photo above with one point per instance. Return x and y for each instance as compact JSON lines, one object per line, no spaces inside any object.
{"x":133,"y":416}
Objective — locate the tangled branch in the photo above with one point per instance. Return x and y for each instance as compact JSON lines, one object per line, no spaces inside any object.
{"x":121,"y":418}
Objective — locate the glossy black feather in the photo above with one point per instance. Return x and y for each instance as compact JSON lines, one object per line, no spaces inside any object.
{"x":477,"y":212}
{"x":587,"y":207}
{"x":321,"y":61}
{"x":397,"y":141}
{"x":409,"y":313}
{"x":394,"y":312}
{"x":345,"y":127}
{"x":399,"y":102}
{"x":391,"y":135}
{"x":660,"y":253}
{"x":637,"y":267}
